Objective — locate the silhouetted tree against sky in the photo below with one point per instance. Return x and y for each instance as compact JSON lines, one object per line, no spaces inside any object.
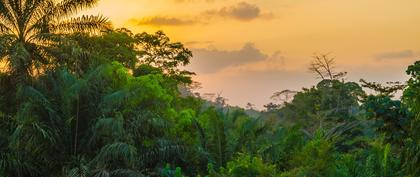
{"x":30,"y":28}
{"x":324,"y":67}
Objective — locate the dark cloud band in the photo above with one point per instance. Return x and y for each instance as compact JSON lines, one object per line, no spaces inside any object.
{"x":241,"y":11}
{"x":213,"y":60}
{"x":404,"y":54}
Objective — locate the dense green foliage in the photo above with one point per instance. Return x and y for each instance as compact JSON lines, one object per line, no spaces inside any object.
{"x":77,"y":102}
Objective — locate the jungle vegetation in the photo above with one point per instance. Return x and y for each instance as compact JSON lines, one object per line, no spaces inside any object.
{"x":81,"y":99}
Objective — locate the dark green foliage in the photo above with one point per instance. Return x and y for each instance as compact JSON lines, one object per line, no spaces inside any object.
{"x":281,"y":145}
{"x":411,"y":98}
{"x":390,"y":117}
{"x":329,"y":102}
{"x":82,"y":51}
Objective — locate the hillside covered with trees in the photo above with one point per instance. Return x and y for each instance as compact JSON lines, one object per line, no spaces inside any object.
{"x":81,"y":99}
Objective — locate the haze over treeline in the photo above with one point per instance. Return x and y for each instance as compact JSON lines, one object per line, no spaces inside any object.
{"x":81,"y":98}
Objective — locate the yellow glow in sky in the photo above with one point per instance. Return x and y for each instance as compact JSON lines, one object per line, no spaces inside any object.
{"x":371,"y":39}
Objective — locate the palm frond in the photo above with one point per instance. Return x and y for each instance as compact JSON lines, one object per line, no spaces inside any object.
{"x":126,"y":173}
{"x":5,"y":42}
{"x":341,"y":129}
{"x":82,"y":171}
{"x":5,"y":29}
{"x":70,"y":7}
{"x":161,"y":152}
{"x":78,"y":168}
{"x":102,"y":173}
{"x":30,"y":9}
{"x":45,"y":39}
{"x":32,"y":94}
{"x":116,"y":152}
{"x":16,"y":164}
{"x":6,"y":16}
{"x":20,"y":61}
{"x":84,"y":23}
{"x":114,"y":100}
{"x":113,"y":127}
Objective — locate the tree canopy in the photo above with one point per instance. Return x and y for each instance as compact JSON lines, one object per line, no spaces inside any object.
{"x":80,"y":99}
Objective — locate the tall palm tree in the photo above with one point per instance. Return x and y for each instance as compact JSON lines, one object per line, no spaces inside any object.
{"x":29,"y":30}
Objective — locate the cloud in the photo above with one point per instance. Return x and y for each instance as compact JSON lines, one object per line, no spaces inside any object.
{"x":163,"y":21}
{"x":404,"y":54}
{"x":272,"y":63}
{"x":195,"y":43}
{"x":247,"y":59}
{"x":241,"y":11}
{"x":213,"y":60}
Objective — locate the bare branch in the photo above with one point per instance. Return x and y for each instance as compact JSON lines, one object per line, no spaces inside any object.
{"x":323,"y":66}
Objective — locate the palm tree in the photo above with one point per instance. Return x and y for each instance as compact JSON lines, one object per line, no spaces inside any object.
{"x":29,"y":30}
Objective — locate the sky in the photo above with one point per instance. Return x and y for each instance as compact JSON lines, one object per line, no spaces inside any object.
{"x":246,"y":50}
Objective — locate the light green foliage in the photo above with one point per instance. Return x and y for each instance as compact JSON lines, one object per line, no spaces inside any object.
{"x":170,"y":172}
{"x":376,"y":161}
{"x":380,"y":161}
{"x":184,"y":123}
{"x":316,"y":158}
{"x":245,"y":165}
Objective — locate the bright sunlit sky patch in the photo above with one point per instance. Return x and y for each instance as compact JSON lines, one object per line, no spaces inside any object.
{"x":248,"y":49}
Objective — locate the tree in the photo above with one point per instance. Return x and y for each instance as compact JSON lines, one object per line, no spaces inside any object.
{"x":323,"y":66}
{"x":81,"y":51}
{"x":156,"y":50}
{"x":245,"y":165}
{"x":411,"y":98}
{"x":283,"y":96}
{"x":29,"y":29}
{"x":316,"y":158}
{"x":250,"y":106}
{"x":388,"y":90}
{"x":329,"y":103}
{"x":97,"y":123}
{"x":390,"y":117}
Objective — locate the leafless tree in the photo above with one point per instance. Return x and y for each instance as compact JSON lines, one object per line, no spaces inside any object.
{"x":323,"y":65}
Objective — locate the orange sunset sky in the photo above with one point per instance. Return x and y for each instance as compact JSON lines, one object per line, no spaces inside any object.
{"x":248,"y":49}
